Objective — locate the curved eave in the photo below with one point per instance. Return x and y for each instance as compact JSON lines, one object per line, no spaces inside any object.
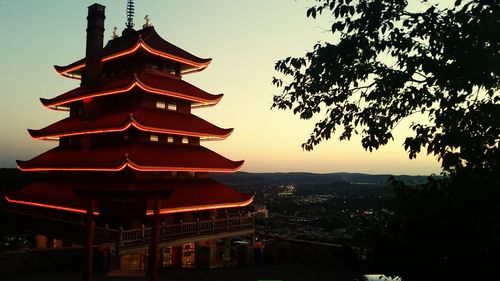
{"x":139,"y":167}
{"x":24,"y":166}
{"x":67,"y":71}
{"x":128,"y":163}
{"x":49,"y":206}
{"x":204,"y":207}
{"x":37,"y":134}
{"x":60,"y":193}
{"x":141,"y":157}
{"x":137,"y":83}
{"x":70,"y":71}
{"x":138,"y":125}
{"x":47,"y":103}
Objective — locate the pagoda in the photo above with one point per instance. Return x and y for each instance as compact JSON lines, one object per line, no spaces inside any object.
{"x":129,"y":170}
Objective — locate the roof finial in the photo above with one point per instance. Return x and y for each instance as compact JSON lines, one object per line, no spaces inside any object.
{"x":114,"y":35}
{"x":130,"y":14}
{"x":148,"y":22}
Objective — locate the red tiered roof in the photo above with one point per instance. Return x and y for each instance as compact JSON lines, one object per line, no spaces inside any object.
{"x":147,"y":40}
{"x":158,"y":121}
{"x":187,"y":194}
{"x":141,"y":157}
{"x":149,"y":82}
{"x":68,"y":191}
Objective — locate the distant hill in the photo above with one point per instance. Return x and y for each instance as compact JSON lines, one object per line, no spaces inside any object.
{"x":311,"y":178}
{"x":13,"y":178}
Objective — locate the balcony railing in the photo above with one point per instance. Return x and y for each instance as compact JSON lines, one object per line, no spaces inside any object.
{"x":68,"y":228}
{"x":182,"y":229}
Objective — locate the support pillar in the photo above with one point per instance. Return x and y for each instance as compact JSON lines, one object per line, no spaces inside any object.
{"x":155,"y":241}
{"x":3,"y":222}
{"x":89,"y":242}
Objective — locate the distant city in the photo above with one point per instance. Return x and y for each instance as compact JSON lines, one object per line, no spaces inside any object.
{"x":332,"y":208}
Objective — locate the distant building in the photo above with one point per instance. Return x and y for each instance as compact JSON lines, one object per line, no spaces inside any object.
{"x":129,"y":173}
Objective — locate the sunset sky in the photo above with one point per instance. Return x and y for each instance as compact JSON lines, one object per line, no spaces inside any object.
{"x":244,"y":39}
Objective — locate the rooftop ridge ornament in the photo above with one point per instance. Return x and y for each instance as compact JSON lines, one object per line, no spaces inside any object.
{"x":114,"y":35}
{"x":130,"y":14}
{"x":148,"y":22}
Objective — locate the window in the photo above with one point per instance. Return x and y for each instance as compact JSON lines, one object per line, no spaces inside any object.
{"x":170,"y":139}
{"x":160,"y":104}
{"x":172,"y":106}
{"x":185,"y":140}
{"x":153,"y":138}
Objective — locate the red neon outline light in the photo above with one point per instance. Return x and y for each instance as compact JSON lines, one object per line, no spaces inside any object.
{"x":65,"y":73}
{"x":84,"y":132}
{"x":139,"y":126}
{"x":202,"y":207}
{"x":119,"y":168}
{"x":138,"y":167}
{"x":201,"y":101}
{"x":96,"y":94}
{"x":81,"y":211}
{"x":123,"y":53}
{"x":134,"y":166}
{"x":172,"y":57}
{"x":146,"y":47}
{"x":140,"y":84}
{"x":136,"y":124}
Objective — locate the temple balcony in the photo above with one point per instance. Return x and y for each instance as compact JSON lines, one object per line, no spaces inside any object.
{"x":71,"y":229}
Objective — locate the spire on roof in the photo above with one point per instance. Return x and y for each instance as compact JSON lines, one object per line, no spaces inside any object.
{"x":130,"y":14}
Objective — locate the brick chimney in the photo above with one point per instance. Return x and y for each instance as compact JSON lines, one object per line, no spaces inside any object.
{"x":95,"y":36}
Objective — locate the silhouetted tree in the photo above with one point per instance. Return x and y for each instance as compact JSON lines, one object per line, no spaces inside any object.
{"x":389,"y":60}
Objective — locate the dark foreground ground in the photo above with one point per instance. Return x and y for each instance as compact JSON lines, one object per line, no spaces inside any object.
{"x":284,"y":271}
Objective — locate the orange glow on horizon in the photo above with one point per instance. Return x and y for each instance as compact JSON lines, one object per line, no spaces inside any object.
{"x":81,"y":211}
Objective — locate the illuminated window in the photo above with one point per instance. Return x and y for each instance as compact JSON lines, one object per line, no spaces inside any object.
{"x":166,"y":257}
{"x":172,"y":106}
{"x":160,"y":104}
{"x":185,"y":140}
{"x":188,"y":255}
{"x":153,"y":138}
{"x":170,"y":139}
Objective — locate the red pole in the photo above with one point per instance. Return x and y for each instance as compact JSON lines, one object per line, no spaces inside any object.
{"x":89,"y":242}
{"x":155,"y":241}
